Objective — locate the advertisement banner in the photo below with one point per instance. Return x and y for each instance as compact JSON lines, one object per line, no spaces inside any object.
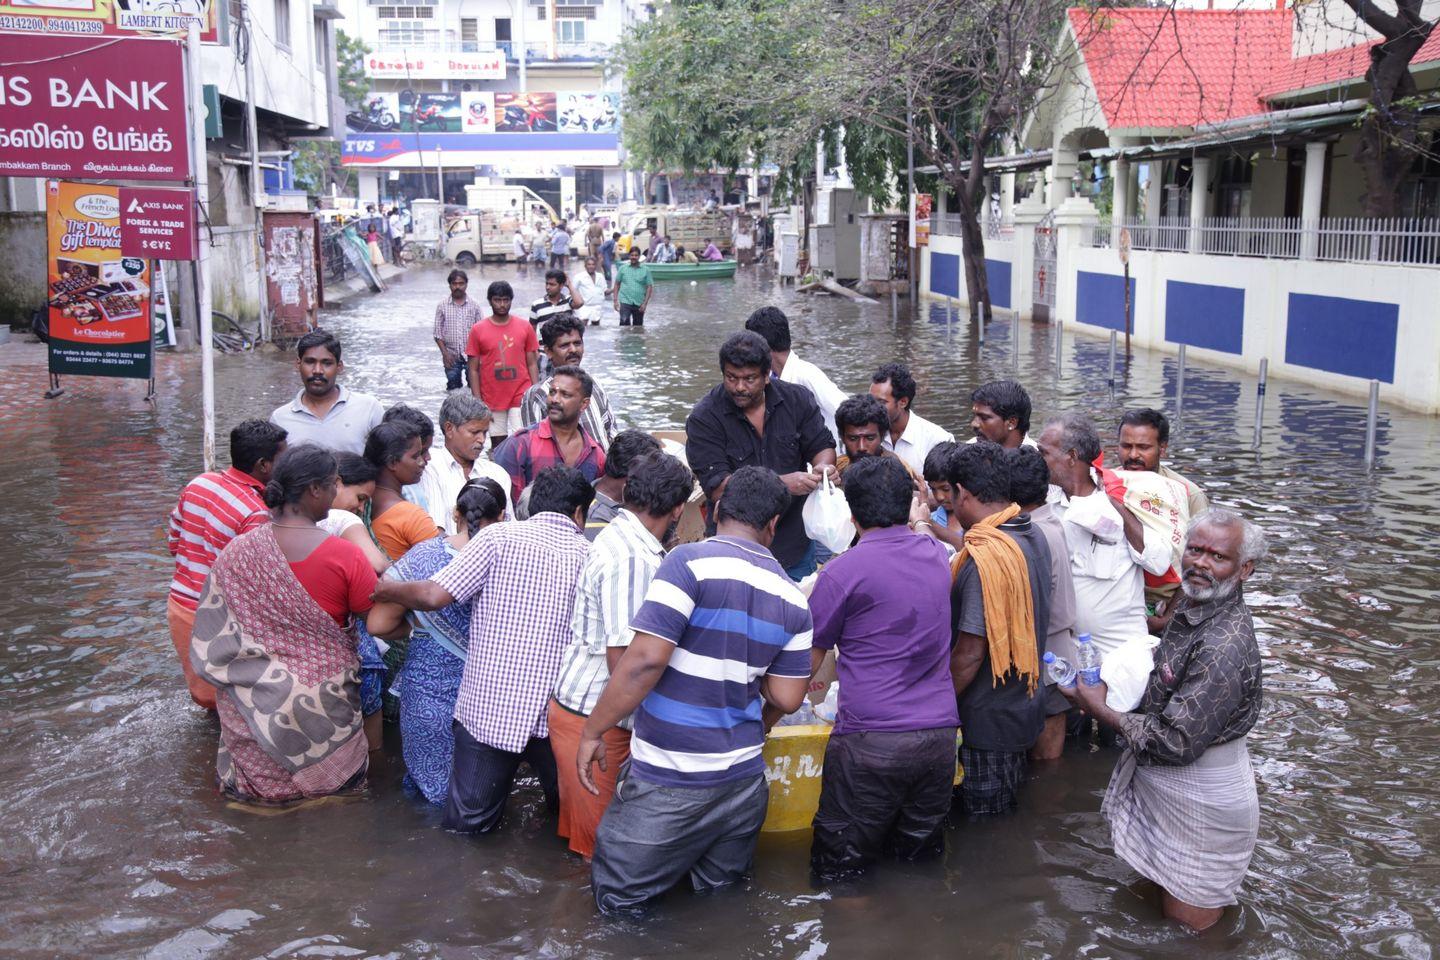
{"x":422,"y":65}
{"x":381,"y":113}
{"x":477,"y":112}
{"x":430,"y":113}
{"x":158,"y":223}
{"x":111,"y":18}
{"x":99,"y":300}
{"x":525,"y":113}
{"x":589,"y":112}
{"x":920,"y":219}
{"x":94,"y":110}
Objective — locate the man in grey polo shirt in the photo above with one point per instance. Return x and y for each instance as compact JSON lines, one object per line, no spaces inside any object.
{"x":323,"y":412}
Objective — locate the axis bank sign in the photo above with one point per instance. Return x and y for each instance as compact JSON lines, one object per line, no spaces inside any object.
{"x":92,"y":108}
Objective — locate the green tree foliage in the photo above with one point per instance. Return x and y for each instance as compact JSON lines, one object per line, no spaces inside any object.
{"x":724,"y":83}
{"x":317,"y":162}
{"x":681,"y":71}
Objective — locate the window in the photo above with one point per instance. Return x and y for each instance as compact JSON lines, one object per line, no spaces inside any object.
{"x":407,"y":33}
{"x":406,"y":13}
{"x":282,"y":23}
{"x":570,"y":31}
{"x":321,"y":46}
{"x":574,"y":13}
{"x":469,"y":30}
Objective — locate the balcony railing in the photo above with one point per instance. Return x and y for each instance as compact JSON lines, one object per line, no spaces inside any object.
{"x":1361,"y":239}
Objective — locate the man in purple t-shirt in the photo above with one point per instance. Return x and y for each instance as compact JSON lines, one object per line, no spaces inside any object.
{"x":885,"y":606}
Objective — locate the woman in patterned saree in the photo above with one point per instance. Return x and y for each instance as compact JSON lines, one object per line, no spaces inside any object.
{"x":435,"y":660}
{"x":274,"y":636}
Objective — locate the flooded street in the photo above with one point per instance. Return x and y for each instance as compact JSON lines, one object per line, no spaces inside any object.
{"x":116,"y":843}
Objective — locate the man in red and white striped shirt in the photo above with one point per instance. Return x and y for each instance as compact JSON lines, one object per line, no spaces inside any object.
{"x":214,"y":509}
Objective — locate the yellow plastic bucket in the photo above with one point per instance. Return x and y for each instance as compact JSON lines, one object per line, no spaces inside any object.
{"x":794,"y":760}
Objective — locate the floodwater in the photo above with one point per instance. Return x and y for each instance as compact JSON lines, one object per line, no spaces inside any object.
{"x":116,"y":844}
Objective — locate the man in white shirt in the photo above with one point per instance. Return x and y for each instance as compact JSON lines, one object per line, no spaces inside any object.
{"x":324,"y":412}
{"x":911,"y":436}
{"x":464,"y":424}
{"x":592,"y":288}
{"x":1110,"y":549}
{"x":772,"y":324}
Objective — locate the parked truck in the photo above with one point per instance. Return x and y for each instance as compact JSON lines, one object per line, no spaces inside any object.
{"x":685,"y":228}
{"x":486,"y":231}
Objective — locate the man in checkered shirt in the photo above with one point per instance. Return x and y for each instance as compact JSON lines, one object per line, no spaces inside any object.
{"x":523,"y":577}
{"x":454,"y":317}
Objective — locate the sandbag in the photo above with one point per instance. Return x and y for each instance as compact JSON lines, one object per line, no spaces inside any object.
{"x":827,"y":517}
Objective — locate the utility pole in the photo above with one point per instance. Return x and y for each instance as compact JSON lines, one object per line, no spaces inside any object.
{"x":257,"y":176}
{"x":201,"y":175}
{"x":910,"y":185}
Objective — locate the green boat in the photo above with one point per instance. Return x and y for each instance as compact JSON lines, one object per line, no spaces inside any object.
{"x":704,"y":270}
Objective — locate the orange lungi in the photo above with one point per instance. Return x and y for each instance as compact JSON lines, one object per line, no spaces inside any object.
{"x":182,"y":625}
{"x":581,"y":810}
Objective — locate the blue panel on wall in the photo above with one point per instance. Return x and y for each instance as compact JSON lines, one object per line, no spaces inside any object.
{"x":997,"y":274}
{"x":945,"y":274}
{"x":1100,"y":300}
{"x":1353,"y":337}
{"x":1203,"y":315}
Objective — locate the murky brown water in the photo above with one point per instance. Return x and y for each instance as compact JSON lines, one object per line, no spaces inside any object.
{"x":115,"y":844}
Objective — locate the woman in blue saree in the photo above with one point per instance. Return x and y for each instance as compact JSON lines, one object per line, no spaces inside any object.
{"x":435,"y":660}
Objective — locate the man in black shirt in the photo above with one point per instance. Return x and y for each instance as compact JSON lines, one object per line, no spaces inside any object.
{"x":1000,"y":629}
{"x":751,"y":419}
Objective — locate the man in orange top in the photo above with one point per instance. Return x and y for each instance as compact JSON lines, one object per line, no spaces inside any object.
{"x":503,"y":356}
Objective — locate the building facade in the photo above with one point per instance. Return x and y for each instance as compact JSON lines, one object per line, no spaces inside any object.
{"x":1220,"y":147}
{"x":493,"y":92}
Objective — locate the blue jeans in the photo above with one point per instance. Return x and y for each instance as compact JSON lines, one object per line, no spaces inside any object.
{"x":803,"y":567}
{"x":454,"y":373}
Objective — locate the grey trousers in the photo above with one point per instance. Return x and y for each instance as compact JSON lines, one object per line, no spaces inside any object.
{"x":652,"y":836}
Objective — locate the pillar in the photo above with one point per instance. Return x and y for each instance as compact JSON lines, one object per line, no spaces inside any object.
{"x":1154,"y":187}
{"x":1312,"y":199}
{"x":1063,"y":163}
{"x":1075,"y":222}
{"x":1120,"y":204}
{"x":1007,"y":197}
{"x":1199,"y":199}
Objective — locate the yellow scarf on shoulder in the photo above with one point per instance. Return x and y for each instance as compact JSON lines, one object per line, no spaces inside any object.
{"x":1009,"y":605}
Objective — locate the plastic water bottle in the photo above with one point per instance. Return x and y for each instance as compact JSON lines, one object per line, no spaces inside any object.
{"x":1060,"y":670}
{"x":1087,"y":660}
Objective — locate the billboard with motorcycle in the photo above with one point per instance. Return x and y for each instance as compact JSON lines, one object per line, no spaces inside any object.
{"x":589,"y":112}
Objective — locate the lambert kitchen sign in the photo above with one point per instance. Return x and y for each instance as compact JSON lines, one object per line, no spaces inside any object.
{"x":92,"y":108}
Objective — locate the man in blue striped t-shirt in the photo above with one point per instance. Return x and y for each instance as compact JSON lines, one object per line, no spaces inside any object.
{"x":722,"y":633}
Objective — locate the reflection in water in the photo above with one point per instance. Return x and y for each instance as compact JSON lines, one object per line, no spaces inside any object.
{"x":116,"y":843}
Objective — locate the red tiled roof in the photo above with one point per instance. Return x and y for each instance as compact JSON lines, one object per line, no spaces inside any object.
{"x":1181,"y":68}
{"x":1333,"y":66}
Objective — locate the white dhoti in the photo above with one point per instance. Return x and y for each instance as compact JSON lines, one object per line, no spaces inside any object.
{"x":1191,"y":829}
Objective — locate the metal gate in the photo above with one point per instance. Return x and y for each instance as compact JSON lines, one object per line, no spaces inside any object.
{"x":1043,"y":307}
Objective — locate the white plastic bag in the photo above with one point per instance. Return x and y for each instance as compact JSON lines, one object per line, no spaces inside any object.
{"x":827,"y":517}
{"x":1126,"y":670}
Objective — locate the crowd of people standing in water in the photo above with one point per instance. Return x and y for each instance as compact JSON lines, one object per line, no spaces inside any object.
{"x":508,"y":589}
